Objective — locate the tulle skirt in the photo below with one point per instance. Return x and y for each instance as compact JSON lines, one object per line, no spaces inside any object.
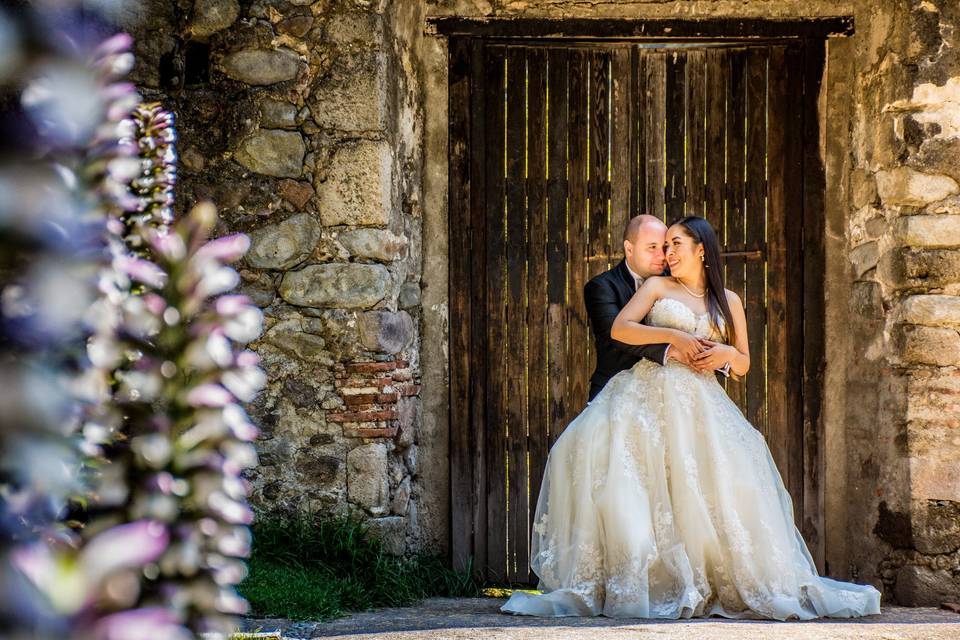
{"x":660,"y":500}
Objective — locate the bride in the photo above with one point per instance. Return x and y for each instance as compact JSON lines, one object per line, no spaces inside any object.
{"x":660,"y":500}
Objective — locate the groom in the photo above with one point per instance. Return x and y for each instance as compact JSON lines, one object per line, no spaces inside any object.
{"x":609,"y":292}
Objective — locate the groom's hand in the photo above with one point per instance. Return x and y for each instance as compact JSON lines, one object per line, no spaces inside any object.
{"x":675,"y":354}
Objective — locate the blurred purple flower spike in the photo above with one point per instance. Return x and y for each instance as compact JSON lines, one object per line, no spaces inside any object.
{"x":248,"y":358}
{"x":126,"y":545}
{"x":236,"y":418}
{"x":226,"y":249}
{"x":169,"y":245}
{"x":142,"y":271}
{"x":230,"y":305}
{"x":113,"y":45}
{"x":209,"y":395}
{"x":148,"y":623}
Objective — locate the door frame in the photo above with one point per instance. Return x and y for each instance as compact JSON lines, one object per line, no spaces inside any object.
{"x":466,"y":512}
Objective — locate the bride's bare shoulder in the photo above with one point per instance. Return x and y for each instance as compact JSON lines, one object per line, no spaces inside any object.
{"x":733,"y":299}
{"x":658,"y":282}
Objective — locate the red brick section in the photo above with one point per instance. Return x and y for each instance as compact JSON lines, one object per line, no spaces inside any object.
{"x":372,"y":414}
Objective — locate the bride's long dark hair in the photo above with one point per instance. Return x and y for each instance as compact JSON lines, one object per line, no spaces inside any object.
{"x":702,"y":233}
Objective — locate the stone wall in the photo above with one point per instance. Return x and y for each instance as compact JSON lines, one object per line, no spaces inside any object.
{"x":903,"y":247}
{"x":300,"y":119}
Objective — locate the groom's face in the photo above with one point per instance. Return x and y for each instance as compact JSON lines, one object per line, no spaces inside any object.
{"x":645,"y":254}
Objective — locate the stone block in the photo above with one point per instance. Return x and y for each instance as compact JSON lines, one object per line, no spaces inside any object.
{"x":259,"y":286}
{"x":211,"y":16}
{"x":863,"y":188}
{"x":409,"y":418}
{"x":344,"y":286}
{"x":864,"y":258}
{"x":939,"y":155}
{"x":277,"y":114}
{"x":934,"y":396}
{"x":401,"y":498}
{"x":367,"y":477}
{"x":921,"y":267}
{"x":929,"y":231}
{"x":919,"y":586}
{"x":409,"y":295}
{"x":300,"y":393}
{"x":391,"y":532}
{"x":353,"y":96}
{"x":285,"y":244}
{"x":288,"y":336}
{"x":866,"y":300}
{"x":931,"y":310}
{"x":295,"y":192}
{"x":319,"y":469}
{"x":273,"y":152}
{"x":358,"y":28}
{"x":261,"y":66}
{"x":410,"y":458}
{"x":375,"y":244}
{"x":936,"y":527}
{"x":296,"y":26}
{"x":357,"y":187}
{"x":386,"y":331}
{"x":338,"y":327}
{"x":937,"y":346}
{"x":906,"y":187}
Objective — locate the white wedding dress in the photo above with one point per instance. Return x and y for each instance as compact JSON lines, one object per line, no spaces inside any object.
{"x":660,"y":500}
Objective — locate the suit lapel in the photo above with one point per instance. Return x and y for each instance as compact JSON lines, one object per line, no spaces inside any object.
{"x":625,"y":278}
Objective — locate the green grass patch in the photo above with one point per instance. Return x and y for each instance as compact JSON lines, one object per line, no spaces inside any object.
{"x":318,"y":568}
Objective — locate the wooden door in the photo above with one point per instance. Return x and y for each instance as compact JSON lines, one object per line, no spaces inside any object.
{"x":553,"y":146}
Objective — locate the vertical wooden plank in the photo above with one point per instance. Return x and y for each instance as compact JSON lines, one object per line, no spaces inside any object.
{"x":622,"y":141}
{"x":639,"y":100}
{"x":736,"y":147}
{"x":675,"y":196}
{"x":478,"y":302}
{"x":756,"y":185}
{"x":598,"y":188}
{"x":636,"y":111}
{"x":579,"y":336}
{"x":536,"y":283}
{"x":495,"y":425}
{"x":813,"y":302}
{"x":653,"y":132}
{"x":734,"y":202}
{"x":516,"y":260}
{"x":717,"y":72}
{"x":696,"y":96}
{"x":784,"y":264}
{"x":459,"y":195}
{"x":598,"y":137}
{"x":557,"y":264}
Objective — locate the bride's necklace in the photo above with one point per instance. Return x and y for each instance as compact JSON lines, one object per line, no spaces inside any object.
{"x":695,"y":295}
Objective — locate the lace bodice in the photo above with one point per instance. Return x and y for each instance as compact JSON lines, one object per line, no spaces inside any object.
{"x":673,"y":314}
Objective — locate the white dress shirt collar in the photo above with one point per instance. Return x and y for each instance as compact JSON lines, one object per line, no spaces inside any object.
{"x":637,"y":280}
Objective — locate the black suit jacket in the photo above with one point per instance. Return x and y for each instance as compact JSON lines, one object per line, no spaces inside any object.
{"x":604,"y":297}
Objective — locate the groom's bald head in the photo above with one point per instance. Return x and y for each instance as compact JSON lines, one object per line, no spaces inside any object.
{"x":643,"y":240}
{"x":643,"y":221}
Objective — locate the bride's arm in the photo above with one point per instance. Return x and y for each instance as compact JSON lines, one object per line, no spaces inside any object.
{"x":740,"y":359}
{"x":627,"y":326}
{"x":737,"y":354}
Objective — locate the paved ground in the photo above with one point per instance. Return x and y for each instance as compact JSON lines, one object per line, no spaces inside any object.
{"x":480,"y":618}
